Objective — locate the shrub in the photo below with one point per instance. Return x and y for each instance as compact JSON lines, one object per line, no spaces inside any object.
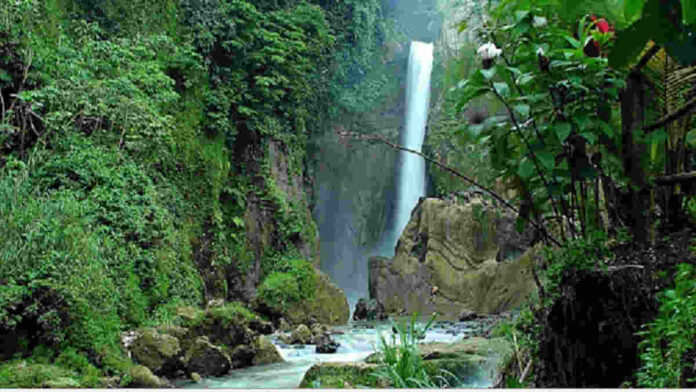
{"x":671,"y":335}
{"x":292,"y":281}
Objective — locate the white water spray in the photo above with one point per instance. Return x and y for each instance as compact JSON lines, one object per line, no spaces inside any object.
{"x":411,"y":183}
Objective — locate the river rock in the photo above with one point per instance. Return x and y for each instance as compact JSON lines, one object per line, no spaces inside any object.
{"x":455,"y":248}
{"x":467,"y":315}
{"x":206,"y":359}
{"x":369,"y":310}
{"x":285,"y":338}
{"x":283,"y":325}
{"x":159,"y":352}
{"x":242,"y":356}
{"x":195,"y":377}
{"x":142,"y":377}
{"x":266,"y":352}
{"x":301,"y":335}
{"x":326,"y":345}
{"x":318,"y":330}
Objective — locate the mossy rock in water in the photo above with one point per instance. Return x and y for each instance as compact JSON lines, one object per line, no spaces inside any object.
{"x":266,"y":352}
{"x":329,"y":306}
{"x":337,"y":374}
{"x":301,"y":335}
{"x":206,"y":359}
{"x":157,"y":351}
{"x":142,"y":377}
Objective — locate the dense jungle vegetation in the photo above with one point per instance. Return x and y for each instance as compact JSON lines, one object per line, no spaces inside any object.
{"x":582,"y":112}
{"x":137,"y":172}
{"x":134,"y":137}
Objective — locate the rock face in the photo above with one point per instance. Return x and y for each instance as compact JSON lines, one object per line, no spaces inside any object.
{"x":454,"y":257}
{"x":369,"y":310}
{"x":329,"y":306}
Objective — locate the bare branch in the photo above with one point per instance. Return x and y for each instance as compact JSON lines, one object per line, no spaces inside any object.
{"x":688,"y":106}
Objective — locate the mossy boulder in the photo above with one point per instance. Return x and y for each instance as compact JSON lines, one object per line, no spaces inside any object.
{"x":142,"y":377}
{"x":207,"y":359}
{"x":159,"y":352}
{"x":266,"y":352}
{"x":226,"y":325}
{"x":337,"y":374}
{"x":301,"y":335}
{"x":329,"y":306}
{"x":453,"y":257}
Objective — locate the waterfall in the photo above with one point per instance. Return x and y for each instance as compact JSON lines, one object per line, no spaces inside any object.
{"x":411,"y":183}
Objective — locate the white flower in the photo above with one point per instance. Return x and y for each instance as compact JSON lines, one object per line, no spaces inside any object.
{"x":489,"y":51}
{"x":540,"y":51}
{"x":539,"y":21}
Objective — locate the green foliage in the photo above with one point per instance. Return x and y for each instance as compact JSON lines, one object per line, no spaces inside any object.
{"x":585,"y":253}
{"x":667,"y":23}
{"x":403,"y":364}
{"x":551,"y":104}
{"x":671,"y":335}
{"x":291,"y":281}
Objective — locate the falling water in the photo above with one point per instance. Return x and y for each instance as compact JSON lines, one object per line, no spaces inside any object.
{"x":411,"y":182}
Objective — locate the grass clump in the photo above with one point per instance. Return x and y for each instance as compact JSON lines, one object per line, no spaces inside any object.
{"x":403,"y":366}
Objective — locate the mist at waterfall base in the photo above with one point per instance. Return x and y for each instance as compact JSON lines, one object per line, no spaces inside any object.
{"x":343,"y":257}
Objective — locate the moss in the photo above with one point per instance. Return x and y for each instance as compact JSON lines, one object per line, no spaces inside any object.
{"x":142,"y":377}
{"x":156,"y":351}
{"x":336,"y":375}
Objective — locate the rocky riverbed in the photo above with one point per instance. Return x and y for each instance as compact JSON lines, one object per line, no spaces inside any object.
{"x":357,"y":341}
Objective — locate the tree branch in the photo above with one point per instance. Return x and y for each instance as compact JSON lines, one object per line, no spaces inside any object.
{"x":676,"y":178}
{"x":688,"y":106}
{"x":354,"y":135}
{"x":646,"y":57}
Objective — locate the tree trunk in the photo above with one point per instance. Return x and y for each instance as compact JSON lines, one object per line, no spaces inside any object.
{"x":633,"y":103}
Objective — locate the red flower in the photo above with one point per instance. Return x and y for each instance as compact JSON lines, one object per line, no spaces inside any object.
{"x":603,"y":26}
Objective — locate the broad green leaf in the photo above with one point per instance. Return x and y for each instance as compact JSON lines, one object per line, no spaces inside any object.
{"x":547,"y":159}
{"x":629,"y":43}
{"x":573,"y":42}
{"x":526,"y":168}
{"x":514,"y":70}
{"x":502,"y":89}
{"x":488,"y":73}
{"x":462,"y":26}
{"x":525,"y":78}
{"x":589,"y":136}
{"x":689,"y":11}
{"x":522,"y":110}
{"x":632,"y":8}
{"x":562,"y":130}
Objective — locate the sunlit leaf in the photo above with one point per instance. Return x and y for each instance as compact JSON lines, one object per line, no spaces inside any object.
{"x":522,"y":110}
{"x":562,"y":130}
{"x":502,"y":89}
{"x":526,"y":168}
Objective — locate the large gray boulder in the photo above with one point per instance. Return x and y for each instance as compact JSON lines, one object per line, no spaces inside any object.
{"x":453,"y":257}
{"x":159,"y":352}
{"x":206,"y":359}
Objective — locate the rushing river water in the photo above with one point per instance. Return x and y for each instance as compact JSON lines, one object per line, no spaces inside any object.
{"x":357,"y":340}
